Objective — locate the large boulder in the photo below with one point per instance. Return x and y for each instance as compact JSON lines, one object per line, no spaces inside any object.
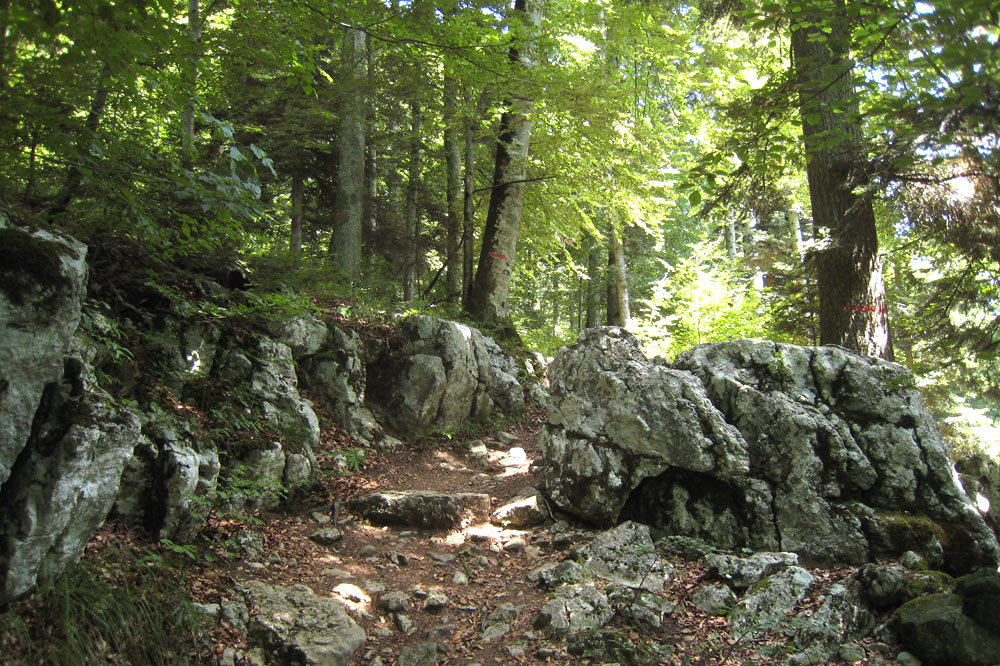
{"x":811,"y":450}
{"x":444,"y":373}
{"x":935,"y":629}
{"x":43,"y":279}
{"x":421,"y":508}
{"x":62,"y":487}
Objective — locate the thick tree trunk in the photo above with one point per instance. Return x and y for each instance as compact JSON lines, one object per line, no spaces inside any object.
{"x":190,"y":105}
{"x":345,"y":242}
{"x":411,"y":233}
{"x":453,"y":168}
{"x":468,"y":207}
{"x":852,"y":302}
{"x":489,"y":298}
{"x":298,"y":187}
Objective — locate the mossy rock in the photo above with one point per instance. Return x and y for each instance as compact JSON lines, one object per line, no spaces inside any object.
{"x":935,"y":629}
{"x":924,"y":583}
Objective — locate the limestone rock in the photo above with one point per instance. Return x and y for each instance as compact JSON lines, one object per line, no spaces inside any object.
{"x":714,"y":599}
{"x":980,"y":592}
{"x":558,"y":573}
{"x":607,"y":645}
{"x":770,"y":599}
{"x":293,"y":625}
{"x":842,"y":617}
{"x":811,"y":450}
{"x":62,"y":488}
{"x":742,"y":572}
{"x":445,"y":374}
{"x":420,"y":508}
{"x":524,"y":510}
{"x":421,"y":654}
{"x":43,"y":281}
{"x":304,"y":334}
{"x":641,"y":606}
{"x":574,"y":608}
{"x":882,"y":585}
{"x":275,"y":380}
{"x":626,"y":556}
{"x":935,"y":629}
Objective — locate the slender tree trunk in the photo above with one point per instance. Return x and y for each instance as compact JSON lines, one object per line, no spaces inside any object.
{"x":453,"y":168}
{"x":469,"y":190}
{"x":371,"y":169}
{"x":345,"y":242}
{"x":593,"y":317}
{"x":413,"y":181}
{"x":618,"y":289}
{"x":298,"y":187}
{"x":852,"y":302}
{"x":74,"y":176}
{"x":731,"y":237}
{"x":795,"y":233}
{"x":489,"y":298}
{"x":4,"y":46}
{"x":191,"y":104}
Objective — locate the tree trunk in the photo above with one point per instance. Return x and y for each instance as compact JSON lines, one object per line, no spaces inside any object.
{"x":298,"y":186}
{"x":795,"y":233}
{"x":413,"y":178}
{"x":191,"y":103}
{"x":731,"y":237}
{"x":593,"y":317}
{"x":74,"y":176}
{"x":622,"y":307}
{"x":852,"y":302}
{"x":489,"y":298}
{"x":453,"y":166}
{"x":345,"y":241}
{"x":371,"y":171}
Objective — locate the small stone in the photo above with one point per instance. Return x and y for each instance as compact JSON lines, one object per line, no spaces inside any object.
{"x":545,"y":653}
{"x":435,"y":601}
{"x":397,"y":558}
{"x":337,"y":573}
{"x":419,"y":592}
{"x":460,"y":578}
{"x":533,"y":552}
{"x":514,"y":545}
{"x":228,"y":657}
{"x":373,"y":586}
{"x":505,"y":612}
{"x":404,"y":623}
{"x":714,"y":599}
{"x":367,"y":551}
{"x":505,"y":438}
{"x":376,"y":661}
{"x":516,"y":650}
{"x":494,"y":631}
{"x":382,"y":631}
{"x":907,"y":659}
{"x":321,"y":518}
{"x":851,"y":652}
{"x":441,"y":630}
{"x":394,"y":602}
{"x":292,"y":562}
{"x":495,"y":548}
{"x":351,"y":593}
{"x":482,"y":561}
{"x":327,"y":536}
{"x":563,"y":541}
{"x":914,"y":562}
{"x":443,"y":558}
{"x":274,"y":558}
{"x":258,"y":566}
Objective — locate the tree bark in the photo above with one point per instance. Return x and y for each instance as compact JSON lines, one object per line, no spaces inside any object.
{"x":852,"y":301}
{"x":453,"y":167}
{"x":795,"y":233}
{"x":298,"y":186}
{"x":345,"y":241}
{"x":731,"y":237}
{"x":411,"y":232}
{"x":490,"y":290}
{"x":191,"y":103}
{"x":593,"y":316}
{"x":618,"y":290}
{"x":371,"y":170}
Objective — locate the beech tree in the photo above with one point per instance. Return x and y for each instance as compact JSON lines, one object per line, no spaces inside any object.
{"x":489,"y":298}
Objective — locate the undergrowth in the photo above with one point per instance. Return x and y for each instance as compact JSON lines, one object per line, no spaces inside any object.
{"x":108,"y":609}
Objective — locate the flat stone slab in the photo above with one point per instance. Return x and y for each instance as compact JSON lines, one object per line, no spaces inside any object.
{"x":421,"y":508}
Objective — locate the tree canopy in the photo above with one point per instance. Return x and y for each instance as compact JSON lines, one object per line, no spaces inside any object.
{"x":669,"y":166}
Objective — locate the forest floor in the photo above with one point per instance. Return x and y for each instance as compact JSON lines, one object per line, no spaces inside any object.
{"x":368,"y":557}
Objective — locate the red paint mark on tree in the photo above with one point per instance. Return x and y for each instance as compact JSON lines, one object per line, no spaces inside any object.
{"x":498,"y":255}
{"x":864,"y":308}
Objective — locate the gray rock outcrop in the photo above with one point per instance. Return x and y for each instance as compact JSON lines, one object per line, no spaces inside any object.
{"x":935,"y":629}
{"x":811,"y":450}
{"x":43,"y":280}
{"x":444,"y":374}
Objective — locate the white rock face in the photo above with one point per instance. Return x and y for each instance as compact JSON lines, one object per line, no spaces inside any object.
{"x":810,"y":450}
{"x":43,"y":280}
